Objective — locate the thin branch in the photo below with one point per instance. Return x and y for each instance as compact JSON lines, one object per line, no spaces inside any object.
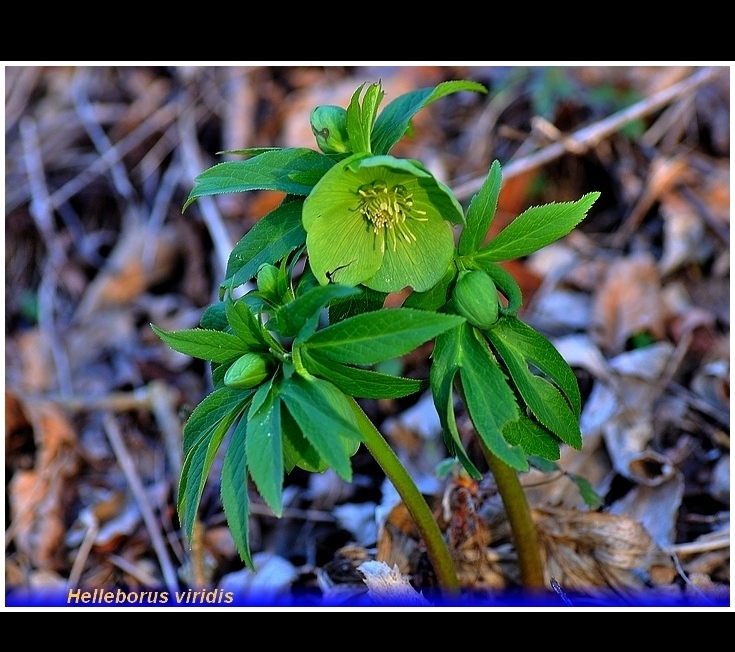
{"x":590,"y":136}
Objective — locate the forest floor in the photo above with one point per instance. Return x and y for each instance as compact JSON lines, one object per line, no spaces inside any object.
{"x":99,"y":161}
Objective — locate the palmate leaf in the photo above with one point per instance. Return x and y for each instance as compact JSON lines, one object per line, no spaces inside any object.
{"x":380,"y":335}
{"x":325,"y":419}
{"x":490,"y":400}
{"x":244,"y":324}
{"x":360,"y":383}
{"x":542,"y":397}
{"x":533,"y":438}
{"x":203,"y":343}
{"x":535,"y":228}
{"x":210,"y":411}
{"x":446,"y":361}
{"x":234,"y":492}
{"x":264,"y":446}
{"x":395,"y":118}
{"x":274,"y":236}
{"x":294,"y":171}
{"x":481,"y":212}
{"x":292,"y":318}
{"x":197,"y":464}
{"x":537,"y":350}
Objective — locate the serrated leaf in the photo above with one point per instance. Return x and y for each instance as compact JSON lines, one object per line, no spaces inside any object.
{"x":244,"y":324}
{"x":481,"y":212}
{"x":395,"y":119}
{"x":535,"y":228}
{"x":274,"y":236}
{"x":544,"y":400}
{"x":196,"y":467}
{"x":380,"y":335}
{"x":325,"y":419}
{"x":532,"y":438}
{"x":297,"y":450}
{"x":263,"y":446}
{"x":360,"y":383}
{"x":210,"y":411}
{"x":293,"y":170}
{"x":537,"y":350}
{"x":292,"y":318}
{"x":234,"y":492}
{"x":367,"y":301}
{"x":446,"y":361}
{"x":490,"y":401}
{"x":214,"y":317}
{"x":203,"y":343}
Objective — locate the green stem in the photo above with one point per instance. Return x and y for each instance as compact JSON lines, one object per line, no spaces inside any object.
{"x":412,"y":498}
{"x":519,"y":517}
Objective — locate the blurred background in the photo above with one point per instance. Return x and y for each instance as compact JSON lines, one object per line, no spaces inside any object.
{"x":99,"y":161}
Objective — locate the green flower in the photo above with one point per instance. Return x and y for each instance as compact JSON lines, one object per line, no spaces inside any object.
{"x":380,"y":221}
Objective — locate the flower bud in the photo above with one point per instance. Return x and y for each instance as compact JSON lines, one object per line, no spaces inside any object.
{"x":476,"y":298}
{"x":248,"y":370}
{"x":329,"y":124}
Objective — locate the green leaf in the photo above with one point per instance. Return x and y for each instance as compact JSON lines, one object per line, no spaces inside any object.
{"x":292,"y":318}
{"x":367,"y":301}
{"x":245,"y":324}
{"x":204,"y":344}
{"x":544,"y":400}
{"x":535,"y":228}
{"x":481,"y":212}
{"x":292,"y":170}
{"x":396,"y":117}
{"x":592,"y":499}
{"x":297,"y":450}
{"x":537,"y":350}
{"x":325,"y":419}
{"x":211,"y":410}
{"x":533,"y":438}
{"x":274,"y":236}
{"x":490,"y":401}
{"x":446,"y":361}
{"x":196,"y":467}
{"x":234,"y":492}
{"x":263,"y":446}
{"x":360,"y":383}
{"x":214,"y":317}
{"x":380,"y":335}
{"x":361,"y":116}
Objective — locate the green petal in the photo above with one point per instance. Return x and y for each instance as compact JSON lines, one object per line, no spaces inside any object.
{"x":419,"y":264}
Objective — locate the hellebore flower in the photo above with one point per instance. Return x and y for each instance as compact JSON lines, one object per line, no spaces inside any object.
{"x":380,"y":221}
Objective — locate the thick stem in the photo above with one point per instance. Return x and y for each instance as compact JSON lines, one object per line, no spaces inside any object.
{"x":412,"y":498}
{"x":519,"y":517}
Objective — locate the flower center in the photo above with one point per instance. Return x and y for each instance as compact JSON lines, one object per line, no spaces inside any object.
{"x":388,"y":209}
